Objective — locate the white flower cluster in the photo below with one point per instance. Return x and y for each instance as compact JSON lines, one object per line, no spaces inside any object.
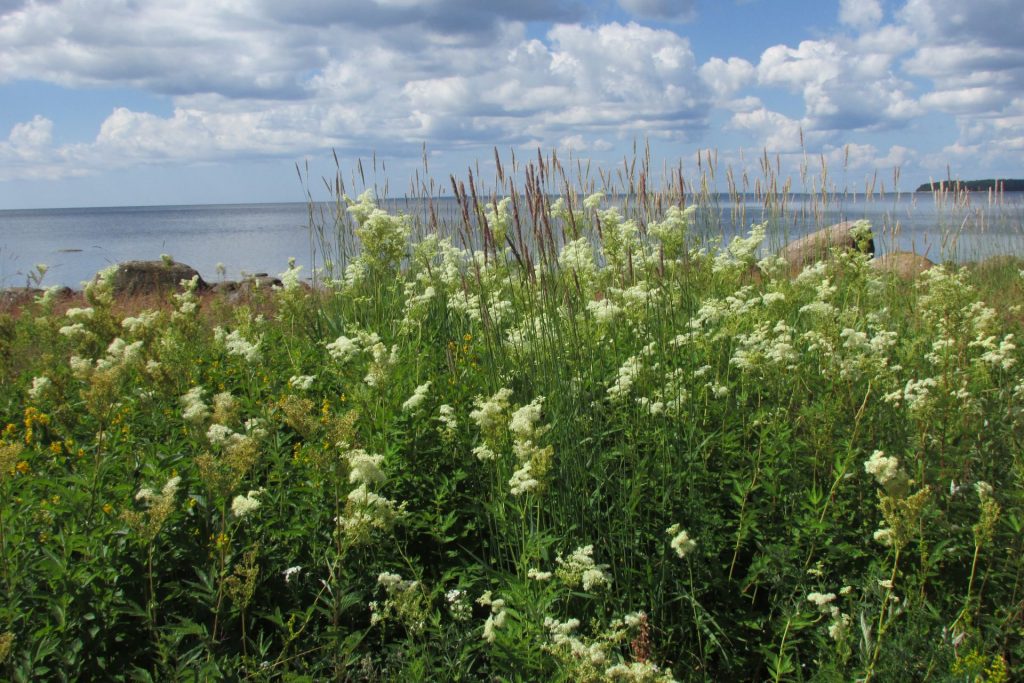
{"x":301,"y":382}
{"x":413,"y":403}
{"x":242,"y":506}
{"x":40,"y":387}
{"x":579,"y":569}
{"x":840,"y":623}
{"x":681,"y":541}
{"x":449,"y":423}
{"x":195,"y":409}
{"x":364,"y":468}
{"x":882,"y":467}
{"x":496,"y":619}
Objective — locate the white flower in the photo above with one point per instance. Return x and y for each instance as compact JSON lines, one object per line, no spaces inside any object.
{"x":884,"y":536}
{"x":237,"y":345}
{"x":195,"y":410}
{"x":365,"y":467}
{"x":681,"y":541}
{"x":413,"y":403}
{"x":301,"y":382}
{"x":488,"y":412}
{"x":218,"y":435}
{"x":80,"y":314}
{"x":538,"y":575}
{"x":291,"y":572}
{"x":821,"y":599}
{"x":883,"y":468}
{"x":484,"y":454}
{"x":522,"y":481}
{"x":522,"y":424}
{"x":243,"y":505}
{"x":40,"y":385}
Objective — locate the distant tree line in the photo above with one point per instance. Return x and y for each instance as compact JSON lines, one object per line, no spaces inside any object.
{"x":1007,"y":185}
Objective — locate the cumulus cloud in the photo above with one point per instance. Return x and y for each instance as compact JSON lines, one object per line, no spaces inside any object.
{"x":861,"y":14}
{"x":727,"y":77}
{"x":578,"y":87}
{"x":843,"y":87}
{"x":973,"y":55}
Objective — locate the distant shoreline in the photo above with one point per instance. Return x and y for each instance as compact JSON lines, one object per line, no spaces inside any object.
{"x":998,"y":184}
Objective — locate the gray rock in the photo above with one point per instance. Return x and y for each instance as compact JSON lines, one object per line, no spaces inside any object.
{"x":905,"y":265}
{"x":152,"y":277}
{"x":819,"y":245}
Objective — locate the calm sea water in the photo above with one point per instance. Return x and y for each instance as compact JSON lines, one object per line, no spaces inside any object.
{"x":254,"y":238}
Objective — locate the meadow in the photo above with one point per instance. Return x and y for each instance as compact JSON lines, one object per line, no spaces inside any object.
{"x":567,"y":439}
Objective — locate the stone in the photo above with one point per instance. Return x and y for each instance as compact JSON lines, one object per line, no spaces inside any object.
{"x":905,"y":265}
{"x":152,"y":277}
{"x":819,"y":245}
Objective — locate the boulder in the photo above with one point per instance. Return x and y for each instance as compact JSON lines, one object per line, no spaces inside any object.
{"x":818,"y":245}
{"x":905,"y":265}
{"x":152,"y":277}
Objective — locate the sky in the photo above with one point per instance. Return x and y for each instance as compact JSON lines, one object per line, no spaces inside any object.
{"x":142,"y":102}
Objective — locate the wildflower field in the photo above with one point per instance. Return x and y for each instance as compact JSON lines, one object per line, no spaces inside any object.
{"x":579,"y":444}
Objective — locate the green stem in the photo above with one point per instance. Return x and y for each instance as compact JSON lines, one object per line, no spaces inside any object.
{"x":881,"y":618}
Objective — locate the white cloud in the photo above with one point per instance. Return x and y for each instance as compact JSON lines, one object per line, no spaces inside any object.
{"x":727,"y":77}
{"x":843,"y":87}
{"x":861,"y":14}
{"x":35,"y":133}
{"x":771,"y":130}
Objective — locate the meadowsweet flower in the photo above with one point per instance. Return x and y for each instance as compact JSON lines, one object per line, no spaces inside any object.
{"x":523,"y":423}
{"x":140,"y":323}
{"x":40,"y":385}
{"x":290,"y":278}
{"x":291,"y":572}
{"x":237,"y":345}
{"x":218,"y":434}
{"x":489,"y":413}
{"x":593,"y":203}
{"x":496,"y":619}
{"x":538,"y":575}
{"x":242,"y":506}
{"x":579,"y":569}
{"x":883,"y":468}
{"x":195,"y":410}
{"x":522,"y":480}
{"x":885,"y":537}
{"x":301,"y":382}
{"x":821,"y":599}
{"x":365,"y":468}
{"x":449,"y":423}
{"x":74,"y":331}
{"x":458,"y":604}
{"x":839,"y":626}
{"x":483,"y":453}
{"x":604,"y":311}
{"x":628,"y":373}
{"x":80,"y":314}
{"x":413,"y":403}
{"x":681,"y":541}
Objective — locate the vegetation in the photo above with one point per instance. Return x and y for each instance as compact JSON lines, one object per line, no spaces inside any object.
{"x":565,"y":439}
{"x":1005,"y":185}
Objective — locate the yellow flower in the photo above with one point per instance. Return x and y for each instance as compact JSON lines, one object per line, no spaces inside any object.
{"x":23,"y":467}
{"x":108,"y":508}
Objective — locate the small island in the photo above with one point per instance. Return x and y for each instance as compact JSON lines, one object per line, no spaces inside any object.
{"x":1000,"y":185}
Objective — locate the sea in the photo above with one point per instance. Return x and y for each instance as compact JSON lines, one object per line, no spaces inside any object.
{"x":229,"y":241}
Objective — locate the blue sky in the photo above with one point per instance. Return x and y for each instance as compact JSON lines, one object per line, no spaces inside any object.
{"x":131,"y":102}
